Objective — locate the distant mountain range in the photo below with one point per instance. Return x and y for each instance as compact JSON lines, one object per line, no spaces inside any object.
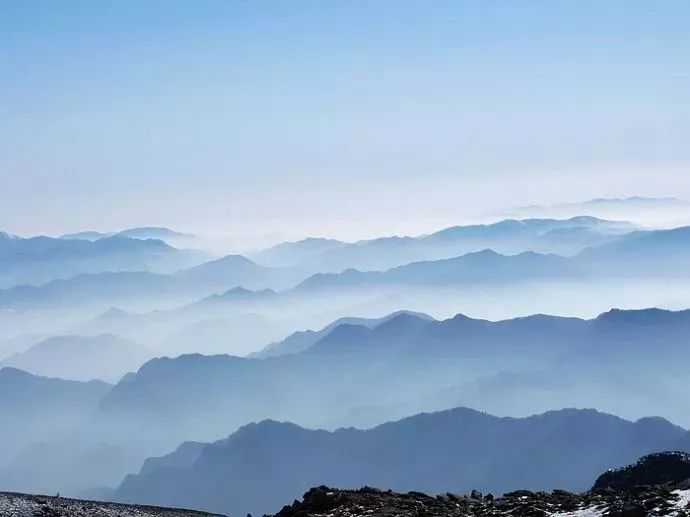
{"x":38,"y":260}
{"x":662,"y":211}
{"x":112,"y":287}
{"x":628,"y":255}
{"x":81,"y":358}
{"x":172,"y":237}
{"x":564,"y":237}
{"x":450,"y":451}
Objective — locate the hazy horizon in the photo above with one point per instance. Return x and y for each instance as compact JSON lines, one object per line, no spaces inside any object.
{"x":346,"y":120}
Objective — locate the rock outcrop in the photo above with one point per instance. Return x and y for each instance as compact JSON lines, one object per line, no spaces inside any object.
{"x":657,"y":485}
{"x":668,"y":468}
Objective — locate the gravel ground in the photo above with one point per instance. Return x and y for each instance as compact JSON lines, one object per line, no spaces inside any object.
{"x":22,"y":505}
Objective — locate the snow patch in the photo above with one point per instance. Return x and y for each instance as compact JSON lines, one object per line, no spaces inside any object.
{"x":590,"y":511}
{"x":683,"y":501}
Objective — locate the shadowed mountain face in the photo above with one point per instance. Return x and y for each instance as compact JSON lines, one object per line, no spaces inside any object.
{"x":38,"y":260}
{"x":21,"y":392}
{"x":455,"y":450}
{"x":509,"y":236}
{"x":407,"y":363}
{"x":105,"y":357}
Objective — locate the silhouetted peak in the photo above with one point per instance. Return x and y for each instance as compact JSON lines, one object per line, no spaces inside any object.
{"x":482,"y":254}
{"x":269,"y":431}
{"x":241,"y":292}
{"x":232,"y":260}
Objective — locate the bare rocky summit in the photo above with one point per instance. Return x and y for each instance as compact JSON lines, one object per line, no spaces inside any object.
{"x":370,"y":502}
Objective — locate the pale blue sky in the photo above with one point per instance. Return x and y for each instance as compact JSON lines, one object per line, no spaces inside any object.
{"x":334,"y":117}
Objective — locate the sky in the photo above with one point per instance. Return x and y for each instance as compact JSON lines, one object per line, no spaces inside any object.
{"x":255,"y":120}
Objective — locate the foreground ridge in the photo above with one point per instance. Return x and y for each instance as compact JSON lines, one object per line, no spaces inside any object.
{"x":371,"y":502}
{"x":624,"y":492}
{"x":24,"y":505}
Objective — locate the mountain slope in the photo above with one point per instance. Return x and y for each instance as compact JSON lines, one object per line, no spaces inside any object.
{"x":37,"y":408}
{"x":643,"y":254}
{"x":304,"y":339}
{"x":455,"y":450}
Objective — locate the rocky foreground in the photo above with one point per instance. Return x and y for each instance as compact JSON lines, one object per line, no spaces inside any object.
{"x":22,"y":505}
{"x":657,"y":485}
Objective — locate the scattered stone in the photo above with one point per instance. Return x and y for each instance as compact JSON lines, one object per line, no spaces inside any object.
{"x":23,"y":505}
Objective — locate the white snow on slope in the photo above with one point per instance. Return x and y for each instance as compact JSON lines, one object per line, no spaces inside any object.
{"x":591,"y":511}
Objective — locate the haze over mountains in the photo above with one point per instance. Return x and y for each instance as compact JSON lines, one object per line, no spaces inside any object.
{"x":167,"y":235}
{"x":37,"y":409}
{"x":597,"y":250}
{"x":413,"y":361}
{"x":38,"y":260}
{"x":507,"y":236}
{"x":251,"y":249}
{"x":628,"y":255}
{"x":81,"y":358}
{"x":666,"y":211}
{"x":421,"y":453}
{"x":515,"y":318}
